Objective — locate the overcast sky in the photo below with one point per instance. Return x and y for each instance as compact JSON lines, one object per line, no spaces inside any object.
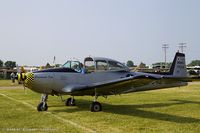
{"x":33,"y":32}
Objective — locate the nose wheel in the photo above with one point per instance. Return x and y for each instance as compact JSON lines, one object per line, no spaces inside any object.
{"x":42,"y":106}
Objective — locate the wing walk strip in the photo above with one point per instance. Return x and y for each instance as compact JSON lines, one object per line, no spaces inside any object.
{"x":53,"y":115}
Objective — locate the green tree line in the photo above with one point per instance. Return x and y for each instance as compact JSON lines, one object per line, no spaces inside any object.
{"x":192,"y":63}
{"x":7,"y":64}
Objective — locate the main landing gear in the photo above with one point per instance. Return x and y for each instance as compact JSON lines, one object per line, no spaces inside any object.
{"x":42,"y":106}
{"x":70,"y":102}
{"x":95,"y":106}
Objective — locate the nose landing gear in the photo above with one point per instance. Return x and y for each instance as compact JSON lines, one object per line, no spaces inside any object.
{"x":42,"y":106}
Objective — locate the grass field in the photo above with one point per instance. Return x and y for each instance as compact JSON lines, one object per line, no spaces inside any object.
{"x":8,"y":83}
{"x":172,"y":110}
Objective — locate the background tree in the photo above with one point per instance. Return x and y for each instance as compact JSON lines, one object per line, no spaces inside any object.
{"x":58,"y":65}
{"x":130,"y":63}
{"x":161,"y":65}
{"x":1,"y":63}
{"x":194,"y":63}
{"x":142,"y":65}
{"x":10,"y":64}
{"x":48,"y":65}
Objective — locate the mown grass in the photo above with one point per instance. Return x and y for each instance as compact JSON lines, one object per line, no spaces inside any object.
{"x":172,"y":110}
{"x":8,"y":83}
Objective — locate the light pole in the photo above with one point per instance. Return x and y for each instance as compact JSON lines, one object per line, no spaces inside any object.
{"x":182,"y":46}
{"x":165,"y":47}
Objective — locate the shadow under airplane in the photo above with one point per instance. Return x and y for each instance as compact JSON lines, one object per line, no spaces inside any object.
{"x":138,"y":110}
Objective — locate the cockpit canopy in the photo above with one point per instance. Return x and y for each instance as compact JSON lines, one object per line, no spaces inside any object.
{"x":103,"y":64}
{"x":96,"y":64}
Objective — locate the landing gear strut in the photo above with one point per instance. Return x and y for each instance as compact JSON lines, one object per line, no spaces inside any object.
{"x":42,"y":106}
{"x":95,"y":106}
{"x":70,"y":102}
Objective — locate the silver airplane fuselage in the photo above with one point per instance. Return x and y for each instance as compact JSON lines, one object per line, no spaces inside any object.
{"x":54,"y":82}
{"x":103,"y":77}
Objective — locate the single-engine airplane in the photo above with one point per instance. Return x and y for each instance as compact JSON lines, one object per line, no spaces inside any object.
{"x":103,"y":77}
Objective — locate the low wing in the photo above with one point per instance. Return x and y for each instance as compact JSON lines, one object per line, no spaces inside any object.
{"x":109,"y":87}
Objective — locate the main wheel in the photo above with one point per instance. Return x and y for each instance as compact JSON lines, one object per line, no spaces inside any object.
{"x":70,"y":102}
{"x":42,"y":106}
{"x":96,"y":107}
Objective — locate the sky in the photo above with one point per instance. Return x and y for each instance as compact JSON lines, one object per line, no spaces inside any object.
{"x":32,"y":32}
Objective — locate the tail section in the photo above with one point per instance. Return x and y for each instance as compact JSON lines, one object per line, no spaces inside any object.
{"x":178,"y":68}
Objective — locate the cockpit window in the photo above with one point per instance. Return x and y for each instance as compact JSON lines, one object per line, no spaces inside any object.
{"x":76,"y":66}
{"x":115,"y":65}
{"x":89,"y":65}
{"x":73,"y":65}
{"x":67,"y":64}
{"x":101,"y":65}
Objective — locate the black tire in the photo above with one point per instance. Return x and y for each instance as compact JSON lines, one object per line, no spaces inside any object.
{"x":95,"y":107}
{"x":70,"y":102}
{"x":42,"y":107}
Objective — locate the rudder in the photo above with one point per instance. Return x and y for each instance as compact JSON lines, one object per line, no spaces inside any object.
{"x":178,"y":68}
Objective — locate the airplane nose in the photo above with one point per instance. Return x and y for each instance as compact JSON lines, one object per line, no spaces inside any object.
{"x":29,"y":80}
{"x":26,"y":78}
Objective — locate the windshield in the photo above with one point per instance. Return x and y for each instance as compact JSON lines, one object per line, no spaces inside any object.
{"x":67,"y":64}
{"x":76,"y":65}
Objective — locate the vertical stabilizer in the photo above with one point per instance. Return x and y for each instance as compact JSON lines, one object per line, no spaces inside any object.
{"x":178,"y":68}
